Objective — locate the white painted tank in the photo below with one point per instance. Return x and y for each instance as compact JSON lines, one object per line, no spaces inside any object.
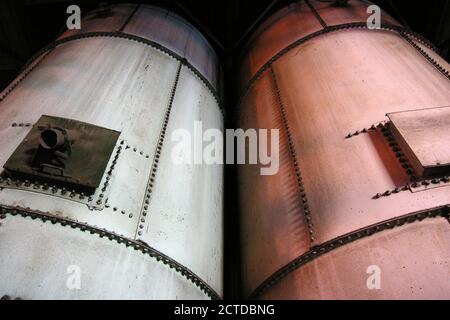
{"x":152,"y":229}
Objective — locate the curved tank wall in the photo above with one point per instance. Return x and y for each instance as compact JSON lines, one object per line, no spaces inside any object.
{"x":152,"y":229}
{"x":345,"y":201}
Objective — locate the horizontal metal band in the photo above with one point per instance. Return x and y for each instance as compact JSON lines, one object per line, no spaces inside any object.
{"x":315,"y":252}
{"x":345,"y":26}
{"x":136,"y":244}
{"x":119,"y":34}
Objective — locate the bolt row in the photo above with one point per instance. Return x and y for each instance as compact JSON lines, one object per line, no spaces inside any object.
{"x":303,"y":197}
{"x":37,"y":186}
{"x":366,"y":130}
{"x":68,"y":194}
{"x":159,"y":146}
{"x":14,"y":125}
{"x":440,"y":68}
{"x":388,"y":193}
{"x":135,"y":150}
{"x":398,"y":152}
{"x":428,"y":182}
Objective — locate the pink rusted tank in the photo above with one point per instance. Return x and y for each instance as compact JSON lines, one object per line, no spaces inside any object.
{"x":359,"y":208}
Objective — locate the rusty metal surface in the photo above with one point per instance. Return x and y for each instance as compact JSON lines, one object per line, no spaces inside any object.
{"x":273,"y":219}
{"x":160,"y":26}
{"x":333,"y":97}
{"x":337,"y":85}
{"x":83,"y":167}
{"x":295,"y":22}
{"x":423,"y":135}
{"x":277,"y":32}
{"x":414,"y":261}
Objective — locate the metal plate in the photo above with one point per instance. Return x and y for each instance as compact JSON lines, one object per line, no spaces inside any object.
{"x":273,"y":227}
{"x":342,"y":175}
{"x":178,"y":35}
{"x":98,"y":86}
{"x":161,"y":26}
{"x":125,"y":86}
{"x":83,"y":169}
{"x":424,"y":138}
{"x":277,"y":32}
{"x":37,"y":259}
{"x":184,"y":218}
{"x":293,"y":23}
{"x":414,"y":261}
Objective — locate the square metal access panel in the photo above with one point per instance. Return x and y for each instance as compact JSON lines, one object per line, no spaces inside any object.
{"x":63,"y":152}
{"x":424,"y":137}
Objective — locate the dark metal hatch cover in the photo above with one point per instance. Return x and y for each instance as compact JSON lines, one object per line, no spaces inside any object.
{"x":65,"y":152}
{"x":424,"y":137}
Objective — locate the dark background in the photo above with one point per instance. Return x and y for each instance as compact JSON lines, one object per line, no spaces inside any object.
{"x":28,"y":25}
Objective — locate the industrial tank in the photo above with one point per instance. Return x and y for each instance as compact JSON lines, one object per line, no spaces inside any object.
{"x":359,"y":207}
{"x":92,"y":205}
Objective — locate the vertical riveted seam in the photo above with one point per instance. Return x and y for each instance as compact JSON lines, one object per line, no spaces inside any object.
{"x":303,"y":197}
{"x":156,"y":158}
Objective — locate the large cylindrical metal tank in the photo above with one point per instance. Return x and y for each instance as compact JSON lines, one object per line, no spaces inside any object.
{"x":347,"y":216}
{"x":151,"y":228}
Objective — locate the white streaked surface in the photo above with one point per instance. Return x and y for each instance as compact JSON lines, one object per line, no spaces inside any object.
{"x":35,"y":257}
{"x":185,"y":213}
